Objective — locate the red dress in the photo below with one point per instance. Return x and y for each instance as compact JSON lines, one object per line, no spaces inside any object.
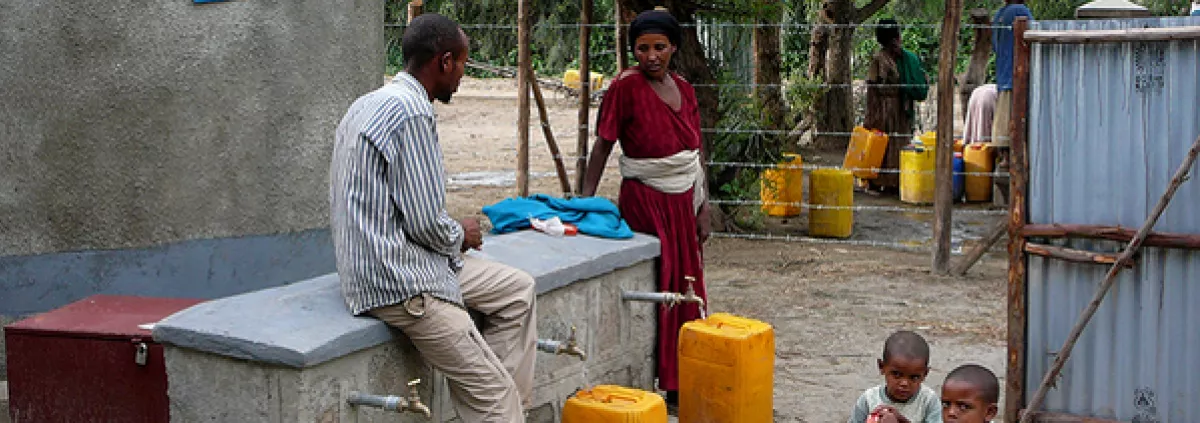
{"x":648,"y":128}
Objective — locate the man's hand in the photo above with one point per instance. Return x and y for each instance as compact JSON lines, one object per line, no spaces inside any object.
{"x":472,"y":234}
{"x":704,"y":222}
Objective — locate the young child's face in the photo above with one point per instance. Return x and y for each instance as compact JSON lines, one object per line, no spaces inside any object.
{"x":903,"y":375}
{"x":962,"y":402}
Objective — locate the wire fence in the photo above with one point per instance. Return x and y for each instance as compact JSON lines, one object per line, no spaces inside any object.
{"x":737,"y":201}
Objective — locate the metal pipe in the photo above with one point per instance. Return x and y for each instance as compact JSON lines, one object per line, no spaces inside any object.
{"x":570,"y":347}
{"x":392,"y":402}
{"x":385,"y":402}
{"x":671,"y":298}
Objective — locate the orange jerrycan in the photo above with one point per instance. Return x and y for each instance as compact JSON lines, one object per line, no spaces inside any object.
{"x":979,"y":159}
{"x":783,"y":184}
{"x":726,"y":370}
{"x":614,"y":404}
{"x":865,"y":152}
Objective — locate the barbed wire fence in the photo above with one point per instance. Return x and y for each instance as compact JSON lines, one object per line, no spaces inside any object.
{"x":797,"y":235}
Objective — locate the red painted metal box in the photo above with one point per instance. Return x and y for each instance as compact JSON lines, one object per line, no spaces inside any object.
{"x":90,"y":361}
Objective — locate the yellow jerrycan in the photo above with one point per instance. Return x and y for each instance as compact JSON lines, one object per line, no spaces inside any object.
{"x":783,"y":184}
{"x":726,"y":370}
{"x":833,"y":188}
{"x":614,"y":404}
{"x":865,"y":152}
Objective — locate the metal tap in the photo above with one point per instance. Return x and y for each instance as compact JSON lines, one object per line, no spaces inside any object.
{"x":392,"y":402}
{"x":671,"y":299}
{"x":571,"y":347}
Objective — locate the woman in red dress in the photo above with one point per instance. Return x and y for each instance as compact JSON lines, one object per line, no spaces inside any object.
{"x":653,"y":113}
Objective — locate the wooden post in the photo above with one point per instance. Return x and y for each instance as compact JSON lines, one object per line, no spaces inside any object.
{"x":982,"y":51}
{"x":415,"y":8}
{"x":943,"y":201}
{"x":548,"y":133}
{"x":585,"y":91}
{"x":1072,"y":255}
{"x":1018,"y":180}
{"x":1064,"y":353}
{"x":524,"y":78}
{"x":974,"y":255}
{"x":1114,"y":233}
{"x":622,"y":43}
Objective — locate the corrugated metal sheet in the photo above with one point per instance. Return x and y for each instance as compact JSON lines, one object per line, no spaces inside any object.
{"x":1108,"y":126}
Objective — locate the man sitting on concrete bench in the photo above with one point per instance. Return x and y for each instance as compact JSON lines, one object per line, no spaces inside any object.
{"x":400,"y":254}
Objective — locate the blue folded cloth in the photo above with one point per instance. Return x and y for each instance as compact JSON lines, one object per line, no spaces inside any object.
{"x":595,"y":216}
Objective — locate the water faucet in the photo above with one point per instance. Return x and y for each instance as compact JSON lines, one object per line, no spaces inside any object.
{"x":391,"y":402}
{"x":689,"y":295}
{"x":671,"y":299}
{"x":571,"y":347}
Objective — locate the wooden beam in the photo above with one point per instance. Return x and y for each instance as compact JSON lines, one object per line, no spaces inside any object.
{"x":1014,"y":390}
{"x":992,"y":237}
{"x":585,"y":90}
{"x":1114,"y":35}
{"x":1047,"y":417}
{"x":524,"y":78}
{"x":1064,"y":354}
{"x":622,"y":34}
{"x":415,"y":8}
{"x":1113,"y":233}
{"x":1072,"y":255}
{"x":548,"y":134}
{"x":943,"y":201}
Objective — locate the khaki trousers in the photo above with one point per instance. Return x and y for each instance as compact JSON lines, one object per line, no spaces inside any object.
{"x":490,"y":375}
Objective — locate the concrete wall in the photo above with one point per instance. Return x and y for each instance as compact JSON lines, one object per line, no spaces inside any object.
{"x":129,"y":127}
{"x":131,"y":123}
{"x":294,"y":352}
{"x":618,"y":337}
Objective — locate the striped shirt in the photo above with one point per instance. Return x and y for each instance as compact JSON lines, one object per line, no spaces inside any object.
{"x":391,"y":233}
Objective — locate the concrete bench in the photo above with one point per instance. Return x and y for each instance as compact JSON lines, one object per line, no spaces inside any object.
{"x":293,"y":353}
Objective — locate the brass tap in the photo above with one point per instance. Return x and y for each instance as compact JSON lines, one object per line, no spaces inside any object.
{"x":572,"y":347}
{"x":689,"y":295}
{"x":391,"y":402}
{"x":414,"y":399}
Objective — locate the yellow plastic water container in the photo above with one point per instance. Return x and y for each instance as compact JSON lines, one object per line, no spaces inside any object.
{"x":614,"y":404}
{"x":865,"y":152}
{"x":929,"y":139}
{"x":917,"y":164}
{"x":726,"y":370}
{"x":783,"y":185}
{"x":832,"y":188}
{"x":571,"y":79}
{"x":979,"y":158}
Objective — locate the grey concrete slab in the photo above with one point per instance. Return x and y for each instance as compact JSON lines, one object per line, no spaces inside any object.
{"x":307,"y":323}
{"x":558,"y":261}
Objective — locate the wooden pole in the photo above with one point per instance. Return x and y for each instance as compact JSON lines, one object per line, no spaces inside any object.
{"x":585,"y":90}
{"x":992,"y":237}
{"x":548,"y":133}
{"x":622,"y":43}
{"x":1064,"y":353}
{"x":524,"y":78}
{"x":415,"y":8}
{"x":943,"y":201}
{"x":1114,"y":233}
{"x":1072,"y":255}
{"x":1018,"y":181}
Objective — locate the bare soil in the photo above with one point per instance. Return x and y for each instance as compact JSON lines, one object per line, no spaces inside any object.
{"x":832,"y":305}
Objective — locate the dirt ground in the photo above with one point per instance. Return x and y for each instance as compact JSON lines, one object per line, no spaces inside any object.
{"x":832,"y":305}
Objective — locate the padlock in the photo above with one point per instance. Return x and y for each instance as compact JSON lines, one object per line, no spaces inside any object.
{"x":141,"y":354}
